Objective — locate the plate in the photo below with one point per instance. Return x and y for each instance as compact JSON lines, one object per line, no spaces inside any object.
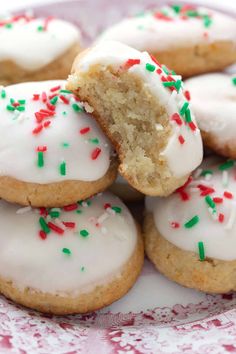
{"x":157,"y":315}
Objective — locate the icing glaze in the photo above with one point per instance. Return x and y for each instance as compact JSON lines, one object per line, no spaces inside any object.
{"x":172,"y":27}
{"x":48,"y":137}
{"x":100,"y":237}
{"x":32,"y":43}
{"x":218,"y":113}
{"x":204,"y":210}
{"x":183,"y":151}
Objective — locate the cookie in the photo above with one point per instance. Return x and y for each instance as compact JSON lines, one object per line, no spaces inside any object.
{"x":35,"y":49}
{"x":141,"y":106}
{"x":190,"y":236}
{"x":52,"y":152}
{"x":188,"y":39}
{"x":213,"y":100}
{"x":72,"y":260}
{"x":124,"y":191}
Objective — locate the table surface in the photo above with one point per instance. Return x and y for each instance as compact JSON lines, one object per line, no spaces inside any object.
{"x":16,"y":4}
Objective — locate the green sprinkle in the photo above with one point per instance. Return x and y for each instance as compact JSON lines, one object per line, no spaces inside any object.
{"x":54,"y":213}
{"x":84,"y":233}
{"x":82,"y":269}
{"x":207,"y":21}
{"x":117,"y":209}
{"x":44,"y":225}
{"x":178,"y":84}
{"x":64,"y":113}
{"x":54,"y":100}
{"x":21,"y":101}
{"x":150,"y":67}
{"x":40,"y":159}
{"x":65,"y":91}
{"x":8,"y":25}
{"x":201,"y":251}
{"x":76,"y":107}
{"x":168,"y":83}
{"x":184,"y":108}
{"x":63,"y":168}
{"x":188,"y":115}
{"x":65,"y":145}
{"x":206,"y":172}
{"x":234,"y":81}
{"x":20,"y":108}
{"x":164,"y":68}
{"x":192,"y":13}
{"x":10,"y":108}
{"x":3,"y":94}
{"x":176,"y":8}
{"x":225,"y":166}
{"x":40,"y":28}
{"x":173,"y":72}
{"x":94,"y":141}
{"x":66,"y":251}
{"x":192,"y":222}
{"x":12,"y":100}
{"x":78,"y":211}
{"x":210,"y":202}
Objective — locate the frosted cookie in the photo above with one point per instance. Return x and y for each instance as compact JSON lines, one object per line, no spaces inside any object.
{"x":124,"y":191}
{"x":52,"y":152}
{"x":35,"y":49}
{"x":144,"y":111}
{"x":72,"y":260}
{"x":188,"y":39}
{"x":191,"y":235}
{"x":213,"y":99}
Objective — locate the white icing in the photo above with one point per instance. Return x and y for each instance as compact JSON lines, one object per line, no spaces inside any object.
{"x":33,"y":49}
{"x":29,"y":261}
{"x":181,"y":159}
{"x":219,"y":239}
{"x":149,"y":33}
{"x":213,"y":100}
{"x":18,"y":145}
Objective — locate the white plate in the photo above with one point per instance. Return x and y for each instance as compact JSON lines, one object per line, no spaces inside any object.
{"x":157,"y":315}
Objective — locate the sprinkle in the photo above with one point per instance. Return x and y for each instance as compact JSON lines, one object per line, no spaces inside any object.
{"x":76,"y":107}
{"x":63,"y":168}
{"x":23,"y":210}
{"x":95,"y":153}
{"x":65,"y":144}
{"x":40,"y":28}
{"x":44,"y":225}
{"x":181,"y":139}
{"x":225,"y":178}
{"x":131,"y":62}
{"x":3,"y":93}
{"x":218,"y":200}
{"x":231,"y":220}
{"x":201,"y":251}
{"x":228,"y":195}
{"x":46,"y":124}
{"x":94,"y":141}
{"x":35,"y":97}
{"x":65,"y":91}
{"x":221,"y":218}
{"x":175,"y":225}
{"x":59,"y":223}
{"x":54,"y":213}
{"x":184,"y":108}
{"x":164,"y":68}
{"x":206,"y":172}
{"x":210,"y":202}
{"x":192,"y":222}
{"x":213,"y":213}
{"x":207,"y":21}
{"x":234,"y":80}
{"x":44,"y":97}
{"x":188,"y":117}
{"x":84,"y":130}
{"x":68,"y":224}
{"x":64,"y":99}
{"x":84,"y":233}
{"x":66,"y":251}
{"x":102,"y":217}
{"x":117,"y":209}
{"x":42,"y":234}
{"x":54,"y":100}
{"x":150,"y":67}
{"x":225,"y":166}
{"x":55,"y":228}
{"x":177,"y":119}
{"x":82,"y":269}
{"x":70,"y":207}
{"x":37,"y":129}
{"x":187,"y":95}
{"x":10,"y":108}
{"x":40,"y":159}
{"x":56,"y":88}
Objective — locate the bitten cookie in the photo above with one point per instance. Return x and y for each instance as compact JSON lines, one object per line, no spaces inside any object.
{"x":123,"y":190}
{"x":213,"y":100}
{"x":35,"y":49}
{"x":188,"y":39}
{"x":52,"y":152}
{"x":72,"y":260}
{"x":144,"y":111}
{"x":191,"y":235}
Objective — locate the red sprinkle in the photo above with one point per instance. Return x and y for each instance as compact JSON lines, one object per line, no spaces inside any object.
{"x":218,"y":200}
{"x":184,"y":195}
{"x":228,"y":195}
{"x":131,"y":62}
{"x":177,"y":119}
{"x":55,"y":228}
{"x":187,"y":95}
{"x":192,"y":126}
{"x":51,"y":106}
{"x":43,"y":211}
{"x":56,"y":88}
{"x":159,"y":71}
{"x":221,"y":217}
{"x":155,"y":60}
{"x":95,"y":153}
{"x":181,"y":139}
{"x":42,"y":148}
{"x":70,"y":207}
{"x":207,"y":192}
{"x":84,"y":130}
{"x":69,"y":224}
{"x":44,"y":97}
{"x":46,"y":124}
{"x":37,"y":129}
{"x":107,"y":205}
{"x":42,"y":235}
{"x":64,"y":99}
{"x":161,"y":16}
{"x":35,"y":97}
{"x":175,"y":225}
{"x":15,"y":104}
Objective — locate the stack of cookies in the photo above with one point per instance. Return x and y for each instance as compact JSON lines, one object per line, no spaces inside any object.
{"x":67,"y":244}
